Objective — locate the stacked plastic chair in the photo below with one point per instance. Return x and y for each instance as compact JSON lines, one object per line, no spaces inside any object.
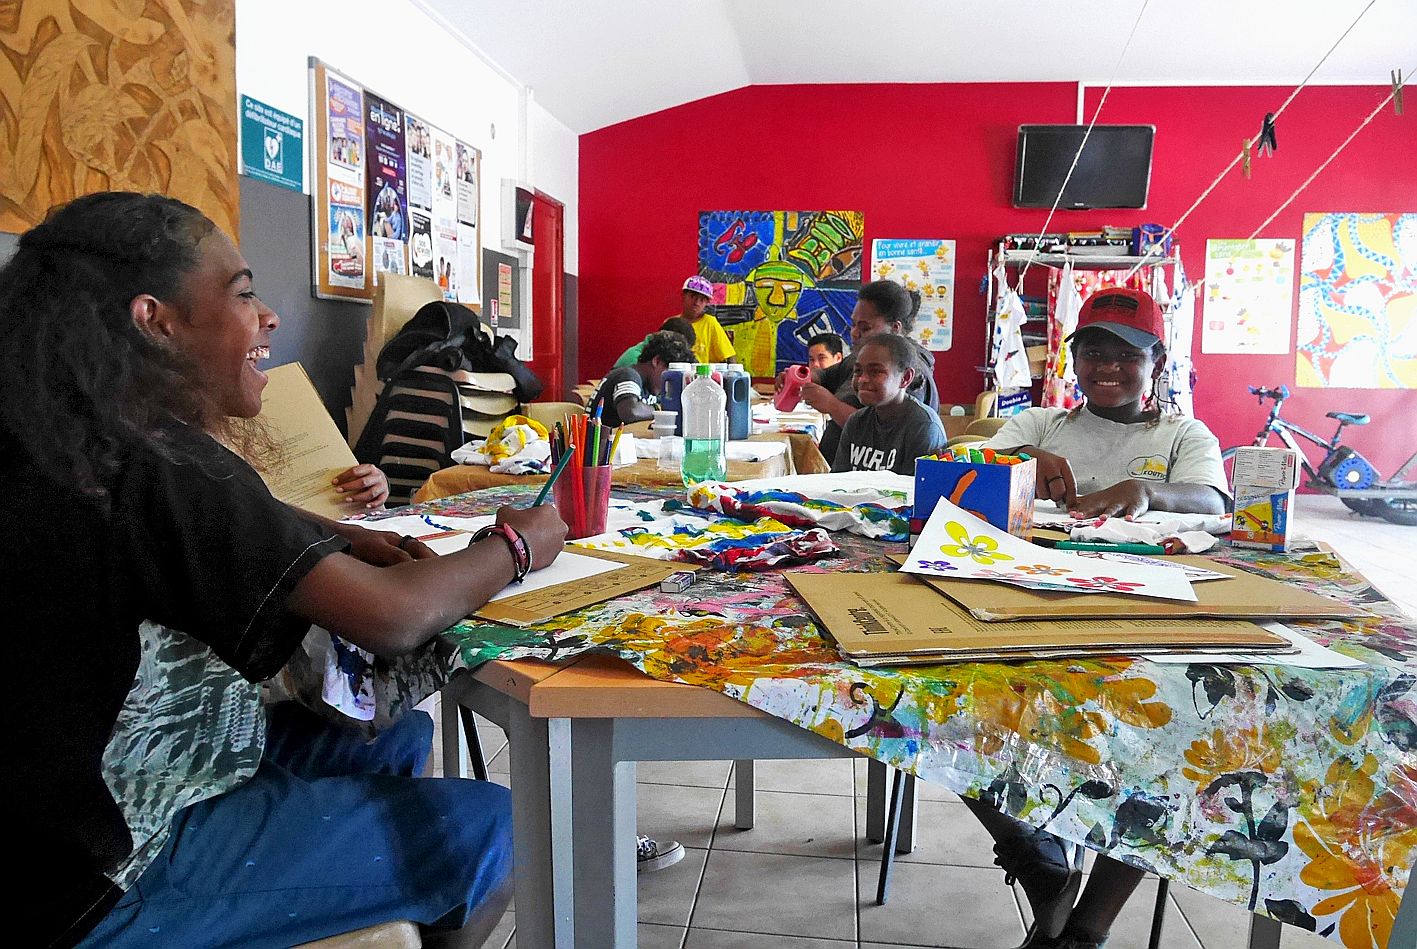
{"x":430,"y":411}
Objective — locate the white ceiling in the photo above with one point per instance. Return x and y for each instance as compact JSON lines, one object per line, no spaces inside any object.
{"x":592,"y":63}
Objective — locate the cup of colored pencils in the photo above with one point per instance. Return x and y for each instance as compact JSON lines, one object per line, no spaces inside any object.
{"x":582,"y":493}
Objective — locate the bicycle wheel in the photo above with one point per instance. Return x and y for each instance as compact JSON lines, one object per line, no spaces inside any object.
{"x":1396,"y":510}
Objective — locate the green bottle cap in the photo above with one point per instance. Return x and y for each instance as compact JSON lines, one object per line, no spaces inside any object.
{"x":702,"y":369}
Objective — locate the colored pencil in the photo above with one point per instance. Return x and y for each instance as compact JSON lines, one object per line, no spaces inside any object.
{"x":560,"y":467}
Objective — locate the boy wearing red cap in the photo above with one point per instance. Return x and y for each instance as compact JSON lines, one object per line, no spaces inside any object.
{"x":1117,"y":454}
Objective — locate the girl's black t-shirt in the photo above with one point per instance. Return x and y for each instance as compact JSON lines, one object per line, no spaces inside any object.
{"x":198,"y":546}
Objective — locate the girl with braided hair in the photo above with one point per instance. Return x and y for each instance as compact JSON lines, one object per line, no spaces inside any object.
{"x":159,"y":583}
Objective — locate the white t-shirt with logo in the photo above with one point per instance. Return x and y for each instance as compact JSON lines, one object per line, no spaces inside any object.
{"x":1175,"y":450}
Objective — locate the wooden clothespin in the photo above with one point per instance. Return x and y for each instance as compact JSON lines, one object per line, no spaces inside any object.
{"x":1397,"y":85}
{"x":1246,"y":152}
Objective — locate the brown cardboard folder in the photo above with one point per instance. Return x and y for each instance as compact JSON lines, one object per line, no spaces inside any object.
{"x":1244,"y":596}
{"x":538,"y":606}
{"x":893,"y":617}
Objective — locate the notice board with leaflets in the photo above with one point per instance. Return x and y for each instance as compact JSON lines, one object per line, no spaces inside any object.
{"x":391,"y":193}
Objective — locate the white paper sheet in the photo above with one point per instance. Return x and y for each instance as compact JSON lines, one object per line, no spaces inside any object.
{"x":1310,"y":655}
{"x":566,"y":568}
{"x":1193,"y":573}
{"x":843,"y":487}
{"x":958,"y":545}
{"x":443,"y":535}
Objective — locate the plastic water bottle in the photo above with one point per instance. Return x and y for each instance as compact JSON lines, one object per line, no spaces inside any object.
{"x":705,"y":429}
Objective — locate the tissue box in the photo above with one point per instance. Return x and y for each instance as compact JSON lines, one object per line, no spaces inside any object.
{"x":999,"y":494}
{"x":1265,"y":479}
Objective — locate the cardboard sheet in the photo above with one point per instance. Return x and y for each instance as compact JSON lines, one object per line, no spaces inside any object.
{"x":313,"y":450}
{"x":538,"y":605}
{"x":1244,"y":596}
{"x":895,"y":617}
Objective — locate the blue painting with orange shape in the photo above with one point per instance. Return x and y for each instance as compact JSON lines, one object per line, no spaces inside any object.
{"x":1000,"y":494}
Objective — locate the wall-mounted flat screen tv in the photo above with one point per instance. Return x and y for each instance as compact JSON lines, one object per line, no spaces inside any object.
{"x":1114,"y":170}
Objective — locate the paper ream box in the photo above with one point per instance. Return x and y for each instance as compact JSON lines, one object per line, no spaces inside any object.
{"x":999,"y":494}
{"x":1265,"y":479}
{"x":1263,"y":520}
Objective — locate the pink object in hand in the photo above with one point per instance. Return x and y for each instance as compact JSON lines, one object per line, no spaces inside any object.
{"x":794,"y":379}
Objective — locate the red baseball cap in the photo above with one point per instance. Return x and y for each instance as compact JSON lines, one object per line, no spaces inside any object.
{"x":1131,"y":315}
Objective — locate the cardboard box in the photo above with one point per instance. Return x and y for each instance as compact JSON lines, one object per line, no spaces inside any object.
{"x":893,"y":618}
{"x":999,"y":494}
{"x":1244,"y":596}
{"x":1265,"y":479}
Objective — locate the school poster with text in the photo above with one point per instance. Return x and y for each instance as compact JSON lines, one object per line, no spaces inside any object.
{"x":1249,"y":296}
{"x":388,"y":196}
{"x":344,"y":121}
{"x":926,"y":267}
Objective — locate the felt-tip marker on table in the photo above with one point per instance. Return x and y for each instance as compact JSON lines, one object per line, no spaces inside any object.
{"x":1111,"y":548}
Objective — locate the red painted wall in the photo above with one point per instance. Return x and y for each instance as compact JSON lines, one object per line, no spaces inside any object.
{"x":937,"y":161}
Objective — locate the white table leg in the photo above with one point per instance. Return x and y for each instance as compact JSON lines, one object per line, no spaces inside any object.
{"x":454,"y":757}
{"x":539,"y":758}
{"x":877,"y":801}
{"x":1404,"y":927}
{"x":743,"y":798}
{"x":1264,"y":932}
{"x":603,"y":842}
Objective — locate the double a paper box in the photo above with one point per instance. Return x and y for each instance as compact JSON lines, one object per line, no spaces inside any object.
{"x":1265,"y":479}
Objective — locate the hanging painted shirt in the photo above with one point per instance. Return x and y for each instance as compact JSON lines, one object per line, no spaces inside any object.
{"x":1060,"y":388}
{"x":1008,"y":357}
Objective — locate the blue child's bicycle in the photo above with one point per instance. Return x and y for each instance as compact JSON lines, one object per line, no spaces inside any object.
{"x":1342,"y":471}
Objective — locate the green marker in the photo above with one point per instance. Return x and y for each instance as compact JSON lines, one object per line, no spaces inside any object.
{"x":1111,"y":548}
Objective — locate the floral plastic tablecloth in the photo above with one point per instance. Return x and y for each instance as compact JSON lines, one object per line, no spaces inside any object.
{"x":1289,"y":791}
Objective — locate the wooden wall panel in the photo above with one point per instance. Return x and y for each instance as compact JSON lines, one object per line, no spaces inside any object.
{"x":100,"y":95}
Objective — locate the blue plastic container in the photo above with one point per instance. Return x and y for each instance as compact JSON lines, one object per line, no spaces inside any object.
{"x":738,"y":386}
{"x":676,"y":377}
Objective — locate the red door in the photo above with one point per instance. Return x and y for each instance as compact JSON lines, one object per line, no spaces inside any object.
{"x":547,"y":295}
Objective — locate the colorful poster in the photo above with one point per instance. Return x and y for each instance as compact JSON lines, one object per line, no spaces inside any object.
{"x":271,"y":144}
{"x":960,"y":546}
{"x":1358,"y":301}
{"x":345,"y":124}
{"x":420,"y":246}
{"x":1249,"y":296}
{"x":780,"y":278}
{"x":420,"y":163}
{"x":927,"y":268}
{"x":388,"y":199}
{"x":345,"y":234}
{"x":444,"y":165}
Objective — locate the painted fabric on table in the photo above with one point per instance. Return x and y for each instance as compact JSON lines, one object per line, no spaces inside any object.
{"x":1289,"y":791}
{"x":883,"y":519}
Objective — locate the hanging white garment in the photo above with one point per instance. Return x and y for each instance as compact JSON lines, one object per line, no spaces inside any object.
{"x":1007,"y":353}
{"x":1180,"y":315}
{"x":1063,"y":377}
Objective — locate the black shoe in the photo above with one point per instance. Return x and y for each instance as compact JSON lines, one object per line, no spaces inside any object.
{"x":1039,"y":862}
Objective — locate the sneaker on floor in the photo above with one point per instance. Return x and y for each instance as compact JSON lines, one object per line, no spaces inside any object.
{"x":1040,"y":863}
{"x":657,"y":854}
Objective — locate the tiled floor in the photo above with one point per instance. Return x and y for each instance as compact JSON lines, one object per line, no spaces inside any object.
{"x":804,"y":877}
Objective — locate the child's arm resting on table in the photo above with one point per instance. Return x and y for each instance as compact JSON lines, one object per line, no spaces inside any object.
{"x":392,"y":610}
{"x":1132,"y":497}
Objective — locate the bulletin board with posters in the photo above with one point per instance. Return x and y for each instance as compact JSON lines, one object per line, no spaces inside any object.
{"x":391,"y":193}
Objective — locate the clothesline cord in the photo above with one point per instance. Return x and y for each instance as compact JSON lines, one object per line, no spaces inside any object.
{"x":1309,"y":180}
{"x":1250,"y":142}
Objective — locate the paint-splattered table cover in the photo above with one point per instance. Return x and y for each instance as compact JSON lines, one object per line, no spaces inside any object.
{"x":1289,"y":791}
